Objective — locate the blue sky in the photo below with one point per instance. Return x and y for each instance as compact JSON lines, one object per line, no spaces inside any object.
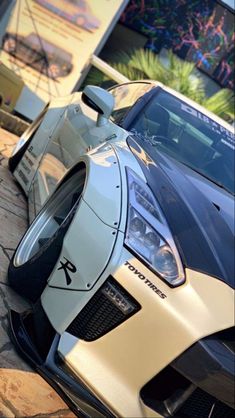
{"x":229,"y":3}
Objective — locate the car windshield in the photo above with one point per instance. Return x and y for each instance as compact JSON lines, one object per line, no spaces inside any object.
{"x":189,"y":136}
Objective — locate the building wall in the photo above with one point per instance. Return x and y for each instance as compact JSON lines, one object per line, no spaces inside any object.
{"x":6,"y":7}
{"x":201,"y":31}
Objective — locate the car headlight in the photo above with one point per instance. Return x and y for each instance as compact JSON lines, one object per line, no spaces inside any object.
{"x":148,"y":235}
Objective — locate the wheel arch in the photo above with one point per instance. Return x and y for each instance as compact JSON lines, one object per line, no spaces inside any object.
{"x":77,"y":167}
{"x":29,"y":161}
{"x":25,"y":140}
{"x":42,"y":242}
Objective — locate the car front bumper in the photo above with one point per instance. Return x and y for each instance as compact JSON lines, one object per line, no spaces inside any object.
{"x":46,"y":362}
{"x":198,"y":383}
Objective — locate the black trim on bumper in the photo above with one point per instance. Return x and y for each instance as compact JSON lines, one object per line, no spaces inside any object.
{"x":210,"y":365}
{"x":78,"y":397}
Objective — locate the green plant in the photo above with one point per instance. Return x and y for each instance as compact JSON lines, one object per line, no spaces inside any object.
{"x":222,"y":104}
{"x":173,"y":72}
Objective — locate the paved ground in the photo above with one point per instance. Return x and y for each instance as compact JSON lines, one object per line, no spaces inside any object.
{"x":23,"y":393}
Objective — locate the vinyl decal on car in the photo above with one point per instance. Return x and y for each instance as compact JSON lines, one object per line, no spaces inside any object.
{"x":30,"y":150}
{"x":146,"y":281}
{"x":68,"y":266}
{"x":23,"y":177}
{"x":214,"y":126}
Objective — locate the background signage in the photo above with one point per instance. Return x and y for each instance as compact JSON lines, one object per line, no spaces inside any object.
{"x":48,"y":43}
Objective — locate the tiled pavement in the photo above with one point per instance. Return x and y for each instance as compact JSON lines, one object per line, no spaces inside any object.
{"x":23,"y":393}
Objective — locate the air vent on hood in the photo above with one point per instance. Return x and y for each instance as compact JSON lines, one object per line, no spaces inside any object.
{"x":216,"y":206}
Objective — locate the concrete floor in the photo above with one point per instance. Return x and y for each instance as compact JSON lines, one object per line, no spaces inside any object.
{"x":23,"y":393}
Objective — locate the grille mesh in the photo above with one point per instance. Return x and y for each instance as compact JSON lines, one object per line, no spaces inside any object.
{"x":101,"y":314}
{"x":202,"y":405}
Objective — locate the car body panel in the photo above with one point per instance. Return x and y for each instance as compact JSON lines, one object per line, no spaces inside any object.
{"x":105,"y":201}
{"x":76,"y":246}
{"x":149,"y":333}
{"x":74,"y":301}
{"x":52,"y":152}
{"x":26,"y":169}
{"x":189,"y":212}
{"x":171,"y":313}
{"x":115,"y":366}
{"x":219,"y":197}
{"x":79,"y":131}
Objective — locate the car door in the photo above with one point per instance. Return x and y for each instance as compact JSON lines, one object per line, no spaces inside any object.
{"x":75,"y":135}
{"x":70,"y":138}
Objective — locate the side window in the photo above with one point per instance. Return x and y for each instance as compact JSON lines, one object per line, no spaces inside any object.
{"x":125,"y":97}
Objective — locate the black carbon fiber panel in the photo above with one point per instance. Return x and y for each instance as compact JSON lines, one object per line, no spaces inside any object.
{"x":202,"y":405}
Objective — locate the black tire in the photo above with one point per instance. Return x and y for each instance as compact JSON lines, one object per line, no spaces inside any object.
{"x":26,"y":136}
{"x":36,"y":255}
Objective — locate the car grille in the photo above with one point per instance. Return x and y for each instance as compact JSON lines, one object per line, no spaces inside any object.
{"x":197,"y":384}
{"x":109,"y":307}
{"x":202,"y":405}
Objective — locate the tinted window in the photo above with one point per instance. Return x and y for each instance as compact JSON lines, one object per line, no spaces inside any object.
{"x":189,"y":136}
{"x":125,"y":97}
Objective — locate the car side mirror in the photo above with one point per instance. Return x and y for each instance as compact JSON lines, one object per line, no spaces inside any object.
{"x":100,"y":100}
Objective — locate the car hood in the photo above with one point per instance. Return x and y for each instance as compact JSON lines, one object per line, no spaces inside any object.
{"x":199,"y":214}
{"x":221,"y":199}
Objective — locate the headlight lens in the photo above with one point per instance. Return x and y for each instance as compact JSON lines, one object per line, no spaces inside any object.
{"x":148,"y":234}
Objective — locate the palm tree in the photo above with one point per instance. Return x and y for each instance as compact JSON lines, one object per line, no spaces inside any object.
{"x":175,"y":73}
{"x":222,"y":104}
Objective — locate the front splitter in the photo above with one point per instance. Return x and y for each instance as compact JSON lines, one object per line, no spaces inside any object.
{"x":77,"y":396}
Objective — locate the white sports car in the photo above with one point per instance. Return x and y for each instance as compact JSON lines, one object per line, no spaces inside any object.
{"x":129,"y":256}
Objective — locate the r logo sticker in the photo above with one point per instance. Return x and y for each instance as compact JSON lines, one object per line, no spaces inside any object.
{"x":67,"y":267}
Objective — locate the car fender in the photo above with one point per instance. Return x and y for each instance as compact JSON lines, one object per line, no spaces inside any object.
{"x":89,"y":241}
{"x":27,"y":167}
{"x":97,"y":228}
{"x":68,"y":130}
{"x":126,"y":160}
{"x":107,"y":193}
{"x":102,"y":192}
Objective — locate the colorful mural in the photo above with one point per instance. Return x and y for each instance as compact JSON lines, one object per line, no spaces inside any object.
{"x":199,"y":31}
